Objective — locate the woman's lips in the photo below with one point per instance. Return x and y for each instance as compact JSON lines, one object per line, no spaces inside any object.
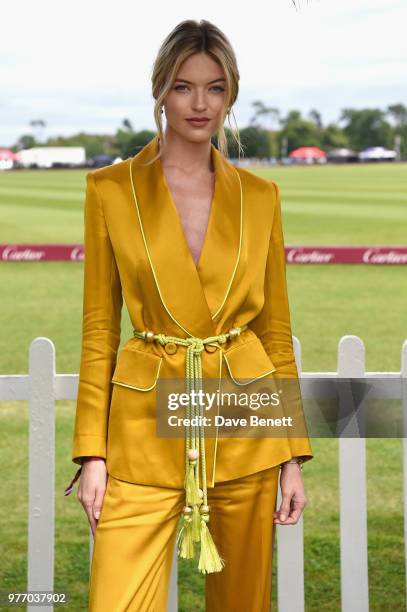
{"x":198,"y":123}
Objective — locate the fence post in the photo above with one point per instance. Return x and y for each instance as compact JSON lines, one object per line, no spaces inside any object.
{"x":352,"y":491}
{"x":290,"y":548}
{"x":173,"y":587}
{"x":404,"y":408}
{"x":41,"y":469}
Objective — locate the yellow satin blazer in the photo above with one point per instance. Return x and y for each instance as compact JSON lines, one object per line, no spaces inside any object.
{"x":136,"y":250}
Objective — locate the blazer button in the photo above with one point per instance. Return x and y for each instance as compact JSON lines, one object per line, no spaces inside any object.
{"x":209,"y":348}
{"x":170,"y":348}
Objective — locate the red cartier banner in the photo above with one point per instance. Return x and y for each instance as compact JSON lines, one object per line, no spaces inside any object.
{"x":377,"y":255}
{"x":41,"y":252}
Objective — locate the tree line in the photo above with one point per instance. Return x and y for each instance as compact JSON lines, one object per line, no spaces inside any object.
{"x":268,"y":133}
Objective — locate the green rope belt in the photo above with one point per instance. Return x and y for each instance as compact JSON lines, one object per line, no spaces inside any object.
{"x":195,"y":513}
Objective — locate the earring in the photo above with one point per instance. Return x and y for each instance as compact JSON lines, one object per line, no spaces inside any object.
{"x":162,"y":109}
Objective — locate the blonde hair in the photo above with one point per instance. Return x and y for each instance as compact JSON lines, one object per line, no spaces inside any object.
{"x":187,"y":38}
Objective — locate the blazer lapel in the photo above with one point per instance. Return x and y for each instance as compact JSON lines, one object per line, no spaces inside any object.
{"x":193,"y":295}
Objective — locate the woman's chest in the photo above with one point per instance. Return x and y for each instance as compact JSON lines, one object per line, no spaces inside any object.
{"x":193,"y":201}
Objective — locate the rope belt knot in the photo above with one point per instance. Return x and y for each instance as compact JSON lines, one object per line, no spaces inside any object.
{"x":195,"y":513}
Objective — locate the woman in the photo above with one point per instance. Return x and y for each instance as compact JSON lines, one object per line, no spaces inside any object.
{"x":195,"y":247}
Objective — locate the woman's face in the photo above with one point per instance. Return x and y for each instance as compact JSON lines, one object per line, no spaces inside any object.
{"x":199,"y":90}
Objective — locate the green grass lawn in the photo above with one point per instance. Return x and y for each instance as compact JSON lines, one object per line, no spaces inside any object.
{"x":355,"y":205}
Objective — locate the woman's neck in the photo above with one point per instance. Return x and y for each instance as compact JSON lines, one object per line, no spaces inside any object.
{"x":191,"y":157}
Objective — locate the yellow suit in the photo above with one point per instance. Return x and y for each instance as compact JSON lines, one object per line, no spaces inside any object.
{"x":240,"y":279}
{"x":136,"y":250}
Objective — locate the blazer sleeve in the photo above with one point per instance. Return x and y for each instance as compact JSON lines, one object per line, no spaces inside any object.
{"x":273,"y":325}
{"x":101,"y":327}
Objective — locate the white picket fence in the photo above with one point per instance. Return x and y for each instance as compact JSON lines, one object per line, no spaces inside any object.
{"x":42,"y":386}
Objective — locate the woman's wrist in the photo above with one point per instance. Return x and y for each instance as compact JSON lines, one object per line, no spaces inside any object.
{"x":297,"y":460}
{"x":90,"y":458}
{"x":83,"y":460}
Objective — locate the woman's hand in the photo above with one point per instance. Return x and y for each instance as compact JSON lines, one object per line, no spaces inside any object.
{"x":293,"y":495}
{"x":91,"y":490}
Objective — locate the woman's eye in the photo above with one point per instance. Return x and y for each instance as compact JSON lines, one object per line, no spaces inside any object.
{"x":182,"y":87}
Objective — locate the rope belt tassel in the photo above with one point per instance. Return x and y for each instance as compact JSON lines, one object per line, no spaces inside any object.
{"x":195,"y":513}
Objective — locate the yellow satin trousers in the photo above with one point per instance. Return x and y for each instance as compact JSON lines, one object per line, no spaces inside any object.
{"x":136,"y":534}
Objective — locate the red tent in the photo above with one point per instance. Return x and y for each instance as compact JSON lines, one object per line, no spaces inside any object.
{"x":8,"y":155}
{"x":308,"y":153}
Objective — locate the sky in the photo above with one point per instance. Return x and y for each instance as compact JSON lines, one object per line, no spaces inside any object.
{"x":85,"y":66}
